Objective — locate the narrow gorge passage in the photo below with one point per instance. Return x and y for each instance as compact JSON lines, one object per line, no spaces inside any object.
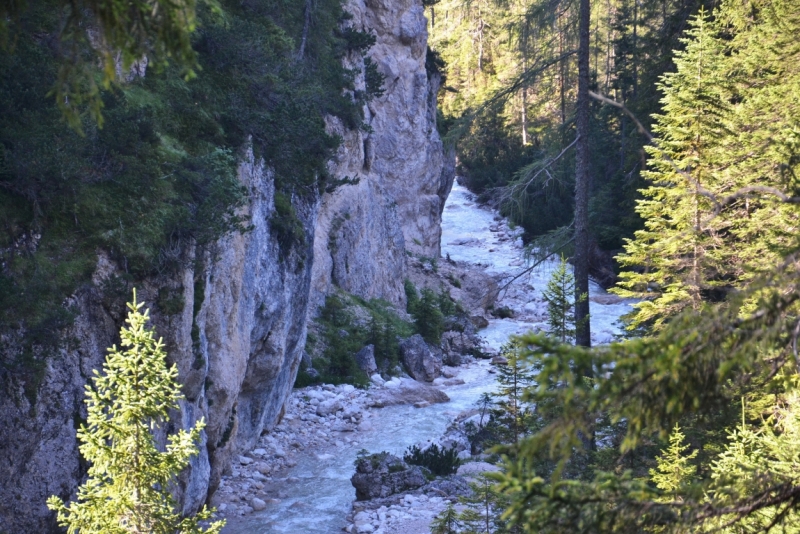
{"x":315,"y":495}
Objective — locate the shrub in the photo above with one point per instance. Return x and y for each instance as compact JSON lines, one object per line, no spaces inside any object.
{"x":437,"y":460}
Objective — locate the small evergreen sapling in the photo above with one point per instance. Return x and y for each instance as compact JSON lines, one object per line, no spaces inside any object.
{"x":674,"y":469}
{"x":447,"y":522}
{"x":128,"y":489}
{"x":560,"y":299}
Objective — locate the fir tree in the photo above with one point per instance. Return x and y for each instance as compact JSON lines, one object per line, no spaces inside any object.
{"x":512,"y":415}
{"x":428,"y":317}
{"x":674,"y":469}
{"x":560,"y":297}
{"x":128,"y":489}
{"x":447,"y":522}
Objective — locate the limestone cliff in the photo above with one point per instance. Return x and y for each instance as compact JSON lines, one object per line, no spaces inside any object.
{"x":365,"y":230}
{"x":239,"y":331}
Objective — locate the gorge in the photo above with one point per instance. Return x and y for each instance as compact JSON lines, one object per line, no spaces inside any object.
{"x":239,"y":335}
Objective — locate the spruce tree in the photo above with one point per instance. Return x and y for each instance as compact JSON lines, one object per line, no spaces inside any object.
{"x":677,"y":257}
{"x":674,"y":469}
{"x":447,"y":522}
{"x":560,"y":297}
{"x":511,"y":414}
{"x":128,"y":489}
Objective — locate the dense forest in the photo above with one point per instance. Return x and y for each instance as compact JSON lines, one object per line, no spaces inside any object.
{"x":690,"y":425}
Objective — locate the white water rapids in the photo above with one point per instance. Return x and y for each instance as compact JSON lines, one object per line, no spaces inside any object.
{"x":317,"y":495}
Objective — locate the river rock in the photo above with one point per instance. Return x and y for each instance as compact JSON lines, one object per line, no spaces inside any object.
{"x":419,"y":360}
{"x":328,"y":407}
{"x":257,"y":504}
{"x":365,"y":358}
{"x":381,"y":475}
{"x":408,"y":391}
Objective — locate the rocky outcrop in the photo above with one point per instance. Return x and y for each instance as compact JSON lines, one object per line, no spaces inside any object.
{"x":365,"y":358}
{"x":420,"y":360}
{"x":237,"y":343}
{"x":383,"y":474}
{"x":402,"y":170}
{"x":239,"y":334}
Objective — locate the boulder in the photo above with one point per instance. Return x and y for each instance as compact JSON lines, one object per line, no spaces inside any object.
{"x":419,"y":360}
{"x":329,"y":406}
{"x":257,"y":504}
{"x":365,"y":358}
{"x":408,"y":391}
{"x":383,"y":474}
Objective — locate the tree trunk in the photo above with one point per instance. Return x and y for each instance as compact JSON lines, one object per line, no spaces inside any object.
{"x":582,"y":327}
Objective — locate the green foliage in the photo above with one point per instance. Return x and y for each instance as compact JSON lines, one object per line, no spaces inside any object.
{"x":447,"y":522}
{"x":437,"y":460}
{"x":511,"y":414}
{"x":128,"y":489}
{"x":285,"y":223}
{"x":560,"y":297}
{"x":343,"y":334}
{"x":342,"y":338}
{"x":674,"y":469}
{"x":160,"y":176}
{"x":485,"y":507}
{"x":429,"y":311}
{"x":120,"y":33}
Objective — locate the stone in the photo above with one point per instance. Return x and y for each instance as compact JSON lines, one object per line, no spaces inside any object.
{"x":383,"y":474}
{"x":408,"y":391}
{"x":499,"y":360}
{"x":245,"y":460}
{"x":257,"y":504}
{"x":329,"y":407}
{"x":377,"y":380}
{"x":365,"y":358}
{"x":476,"y":468}
{"x":419,"y":361}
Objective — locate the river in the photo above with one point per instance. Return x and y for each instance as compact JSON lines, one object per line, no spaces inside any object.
{"x":317,"y":495}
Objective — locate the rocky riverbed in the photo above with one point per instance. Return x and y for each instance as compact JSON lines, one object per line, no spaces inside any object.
{"x":324,"y":424}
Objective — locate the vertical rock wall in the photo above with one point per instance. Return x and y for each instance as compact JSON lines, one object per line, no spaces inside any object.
{"x":240,"y":335}
{"x":404,"y":175}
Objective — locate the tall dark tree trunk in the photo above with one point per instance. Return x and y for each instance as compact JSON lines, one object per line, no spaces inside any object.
{"x":582,"y":327}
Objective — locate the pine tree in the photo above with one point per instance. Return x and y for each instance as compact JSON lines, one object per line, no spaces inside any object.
{"x":674,"y":468}
{"x":128,"y":489}
{"x":447,"y":522}
{"x":511,"y":415}
{"x":560,"y":297}
{"x":677,"y":256}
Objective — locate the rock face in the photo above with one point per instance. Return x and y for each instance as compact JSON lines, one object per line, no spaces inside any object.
{"x":365,"y":358}
{"x":239,"y":338}
{"x":237,"y":344}
{"x":381,"y":475}
{"x":404,"y":174}
{"x":420,"y":360}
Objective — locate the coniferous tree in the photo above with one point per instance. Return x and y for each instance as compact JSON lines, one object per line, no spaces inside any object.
{"x":674,"y":469}
{"x":447,"y":522}
{"x":560,"y":297}
{"x":128,"y":489}
{"x":511,"y":414}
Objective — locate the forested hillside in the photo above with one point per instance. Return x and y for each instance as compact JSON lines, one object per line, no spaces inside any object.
{"x":691,"y":425}
{"x":512,"y":74}
{"x":147,"y":166}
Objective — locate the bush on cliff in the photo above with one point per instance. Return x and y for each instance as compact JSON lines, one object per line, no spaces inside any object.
{"x":128,"y":489}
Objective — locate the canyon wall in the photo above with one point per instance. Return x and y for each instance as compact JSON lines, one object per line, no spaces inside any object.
{"x":239,"y":333}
